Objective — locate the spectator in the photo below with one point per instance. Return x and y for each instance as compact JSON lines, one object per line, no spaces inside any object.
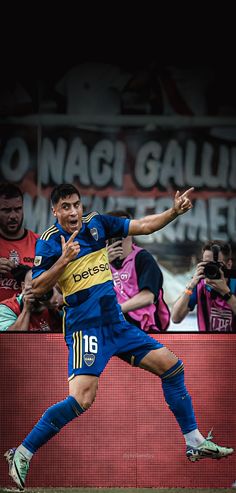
{"x":138,"y":283}
{"x":25,"y":313}
{"x":17,"y":244}
{"x":212,"y":289}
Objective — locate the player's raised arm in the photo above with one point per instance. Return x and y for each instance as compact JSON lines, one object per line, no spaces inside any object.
{"x":45,"y":281}
{"x":154,"y":222}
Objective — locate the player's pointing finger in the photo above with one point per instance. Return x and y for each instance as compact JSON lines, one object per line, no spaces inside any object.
{"x":190,"y":190}
{"x":72,"y":237}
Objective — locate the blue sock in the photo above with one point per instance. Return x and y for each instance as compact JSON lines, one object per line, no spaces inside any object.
{"x":178,"y":398}
{"x":51,"y":422}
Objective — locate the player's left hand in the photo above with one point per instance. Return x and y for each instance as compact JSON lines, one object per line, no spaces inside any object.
{"x":182,"y":202}
{"x":70,"y":248}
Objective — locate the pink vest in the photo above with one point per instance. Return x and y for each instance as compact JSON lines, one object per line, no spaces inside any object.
{"x":126,"y":286}
{"x":214,"y":314}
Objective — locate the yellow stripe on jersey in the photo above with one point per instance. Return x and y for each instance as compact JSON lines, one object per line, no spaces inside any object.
{"x":88,"y":218}
{"x":85,"y":272}
{"x":80,"y":348}
{"x":77,"y":350}
{"x":74,"y":349}
{"x":50,"y":234}
{"x":47,"y":231}
{"x":46,"y":235}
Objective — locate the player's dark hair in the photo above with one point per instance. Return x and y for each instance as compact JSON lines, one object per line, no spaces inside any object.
{"x":225,"y":248}
{"x":63,"y":191}
{"x":10,"y":191}
{"x":120,"y":213}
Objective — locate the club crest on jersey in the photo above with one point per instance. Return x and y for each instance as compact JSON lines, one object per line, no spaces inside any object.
{"x":94,"y":233}
{"x":37,"y":260}
{"x":89,"y":359}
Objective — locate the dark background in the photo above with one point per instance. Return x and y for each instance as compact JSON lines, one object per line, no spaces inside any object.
{"x":42,"y":42}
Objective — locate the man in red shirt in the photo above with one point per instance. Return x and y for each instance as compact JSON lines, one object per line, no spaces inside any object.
{"x":17,"y":244}
{"x":24,"y":313}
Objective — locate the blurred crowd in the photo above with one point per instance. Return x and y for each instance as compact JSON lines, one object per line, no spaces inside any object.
{"x":102,"y":88}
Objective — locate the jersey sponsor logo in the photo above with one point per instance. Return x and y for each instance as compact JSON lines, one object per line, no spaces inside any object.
{"x":94,"y":233}
{"x":85,"y":272}
{"x":37,"y":260}
{"x":91,"y":272}
{"x":89,"y":359}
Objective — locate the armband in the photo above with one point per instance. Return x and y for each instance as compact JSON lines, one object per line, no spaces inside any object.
{"x":188,"y":291}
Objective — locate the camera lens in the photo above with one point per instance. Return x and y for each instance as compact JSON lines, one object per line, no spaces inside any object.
{"x":212,"y":271}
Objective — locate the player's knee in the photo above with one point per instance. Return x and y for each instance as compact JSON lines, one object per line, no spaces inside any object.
{"x":86,"y":404}
{"x":85,"y":398}
{"x":83,"y":388}
{"x":174,"y":373}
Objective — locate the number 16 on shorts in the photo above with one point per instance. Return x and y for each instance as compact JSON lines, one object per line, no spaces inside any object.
{"x":85,"y":348}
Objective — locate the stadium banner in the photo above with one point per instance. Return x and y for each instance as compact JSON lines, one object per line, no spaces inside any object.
{"x":138,"y":170}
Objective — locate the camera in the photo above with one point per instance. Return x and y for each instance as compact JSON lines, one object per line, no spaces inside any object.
{"x":46,"y":297}
{"x":43,"y":299}
{"x":117,"y":263}
{"x":212,"y":269}
{"x":113,"y":240}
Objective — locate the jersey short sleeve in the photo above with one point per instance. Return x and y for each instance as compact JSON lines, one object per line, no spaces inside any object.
{"x":149,"y":275}
{"x":115,"y":226}
{"x":45,"y":256}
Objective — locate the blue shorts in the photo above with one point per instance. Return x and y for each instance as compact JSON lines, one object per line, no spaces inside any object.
{"x":91,"y":349}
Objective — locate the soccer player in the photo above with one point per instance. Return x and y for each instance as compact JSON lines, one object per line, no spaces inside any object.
{"x":73,"y":253}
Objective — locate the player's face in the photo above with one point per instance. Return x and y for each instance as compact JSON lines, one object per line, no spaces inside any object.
{"x":11,"y":216}
{"x":68,"y":212}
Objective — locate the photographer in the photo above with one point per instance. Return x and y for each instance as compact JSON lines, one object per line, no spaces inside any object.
{"x":138,"y":283}
{"x":212,"y":288}
{"x":24,"y":312}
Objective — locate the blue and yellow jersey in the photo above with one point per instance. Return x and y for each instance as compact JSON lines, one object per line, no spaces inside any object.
{"x":86,"y":282}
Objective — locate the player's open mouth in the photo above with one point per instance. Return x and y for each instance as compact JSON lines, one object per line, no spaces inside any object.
{"x":74,"y":224}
